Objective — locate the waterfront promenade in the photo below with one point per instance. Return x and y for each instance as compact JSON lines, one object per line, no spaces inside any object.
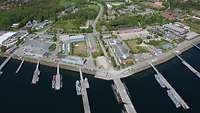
{"x":129,"y":71}
{"x":123,"y":73}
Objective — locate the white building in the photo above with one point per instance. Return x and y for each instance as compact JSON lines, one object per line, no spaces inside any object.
{"x":5,"y":37}
{"x":73,"y":60}
{"x":76,"y":38}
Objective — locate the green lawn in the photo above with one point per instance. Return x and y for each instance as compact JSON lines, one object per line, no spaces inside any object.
{"x":72,"y":22}
{"x":69,"y":26}
{"x":79,"y":49}
{"x":133,"y":44}
{"x":195,"y":26}
{"x":157,"y":43}
{"x":135,"y":41}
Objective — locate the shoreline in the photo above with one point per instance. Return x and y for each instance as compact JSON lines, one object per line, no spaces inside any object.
{"x":184,"y":46}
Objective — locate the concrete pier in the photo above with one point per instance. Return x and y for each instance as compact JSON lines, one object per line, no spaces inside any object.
{"x":174,"y":96}
{"x":4,"y":63}
{"x":124,"y":97}
{"x":18,"y":69}
{"x":196,"y":46}
{"x":189,"y":66}
{"x":36,"y":74}
{"x":84,"y":85}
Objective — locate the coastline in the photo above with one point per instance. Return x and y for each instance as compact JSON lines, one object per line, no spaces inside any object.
{"x":184,"y":46}
{"x":53,"y":64}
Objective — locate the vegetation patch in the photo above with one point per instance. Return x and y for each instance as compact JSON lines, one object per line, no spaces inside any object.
{"x":133,"y":44}
{"x":79,"y":49}
{"x":157,"y":43}
{"x":52,"y":47}
{"x":136,"y":21}
{"x":194,"y":25}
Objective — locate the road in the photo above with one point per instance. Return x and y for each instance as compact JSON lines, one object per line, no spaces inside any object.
{"x":100,"y":14}
{"x":145,"y":64}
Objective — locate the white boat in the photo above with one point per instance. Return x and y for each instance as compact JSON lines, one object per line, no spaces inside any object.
{"x":78,"y":88}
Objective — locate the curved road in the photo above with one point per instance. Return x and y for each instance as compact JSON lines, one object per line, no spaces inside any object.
{"x":98,"y":16}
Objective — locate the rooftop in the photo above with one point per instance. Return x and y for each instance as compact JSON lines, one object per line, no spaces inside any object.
{"x":5,"y":36}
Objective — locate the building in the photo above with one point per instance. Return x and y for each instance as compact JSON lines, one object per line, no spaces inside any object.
{"x":15,"y":25}
{"x":177,"y":29}
{"x":77,"y":38}
{"x":121,"y":51}
{"x":64,"y":38}
{"x":73,"y":60}
{"x":10,"y":38}
{"x":6,"y":36}
{"x":109,"y":6}
{"x":191,"y":35}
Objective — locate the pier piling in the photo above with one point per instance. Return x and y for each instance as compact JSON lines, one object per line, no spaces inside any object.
{"x":5,"y":62}
{"x":174,"y":96}
{"x":123,"y":95}
{"x":83,"y":86}
{"x":188,"y":66}
{"x":18,"y":69}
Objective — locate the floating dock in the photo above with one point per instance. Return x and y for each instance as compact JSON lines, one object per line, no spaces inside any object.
{"x":57,"y":80}
{"x":18,"y":69}
{"x":189,"y":66}
{"x":81,"y":89}
{"x":174,"y":96}
{"x":4,"y":63}
{"x":123,"y":96}
{"x":36,"y":74}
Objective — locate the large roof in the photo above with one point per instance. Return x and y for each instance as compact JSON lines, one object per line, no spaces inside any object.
{"x":5,"y":36}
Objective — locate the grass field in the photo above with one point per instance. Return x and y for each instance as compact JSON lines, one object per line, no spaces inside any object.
{"x":195,"y":26}
{"x":133,"y":44}
{"x":157,"y":43}
{"x":69,"y":26}
{"x":72,"y":22}
{"x":79,"y":49}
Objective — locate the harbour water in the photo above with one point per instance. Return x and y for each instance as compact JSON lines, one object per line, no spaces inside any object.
{"x":18,"y":95}
{"x":148,"y":96}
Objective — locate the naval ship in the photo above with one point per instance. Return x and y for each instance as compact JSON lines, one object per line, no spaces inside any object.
{"x":36,"y":74}
{"x":57,"y":80}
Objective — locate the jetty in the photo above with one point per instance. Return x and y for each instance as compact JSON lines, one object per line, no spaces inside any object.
{"x":174,"y":96}
{"x":57,"y":80}
{"x":18,"y":69}
{"x":36,"y":74}
{"x":196,"y":46}
{"x":81,"y":88}
{"x":122,"y":96}
{"x":188,"y":65}
{"x":4,"y":63}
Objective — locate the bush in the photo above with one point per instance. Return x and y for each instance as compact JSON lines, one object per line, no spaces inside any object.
{"x":52,"y":47}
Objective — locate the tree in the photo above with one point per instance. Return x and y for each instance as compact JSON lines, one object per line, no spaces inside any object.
{"x":3,"y":48}
{"x":52,"y":47}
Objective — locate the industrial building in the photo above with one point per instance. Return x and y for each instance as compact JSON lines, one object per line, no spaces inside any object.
{"x":73,"y":60}
{"x":121,"y":51}
{"x":75,"y":38}
{"x":6,"y":36}
{"x":176,"y":29}
{"x":10,"y":38}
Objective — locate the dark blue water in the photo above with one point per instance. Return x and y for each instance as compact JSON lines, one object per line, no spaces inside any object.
{"x":18,"y":95}
{"x":149,"y":97}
